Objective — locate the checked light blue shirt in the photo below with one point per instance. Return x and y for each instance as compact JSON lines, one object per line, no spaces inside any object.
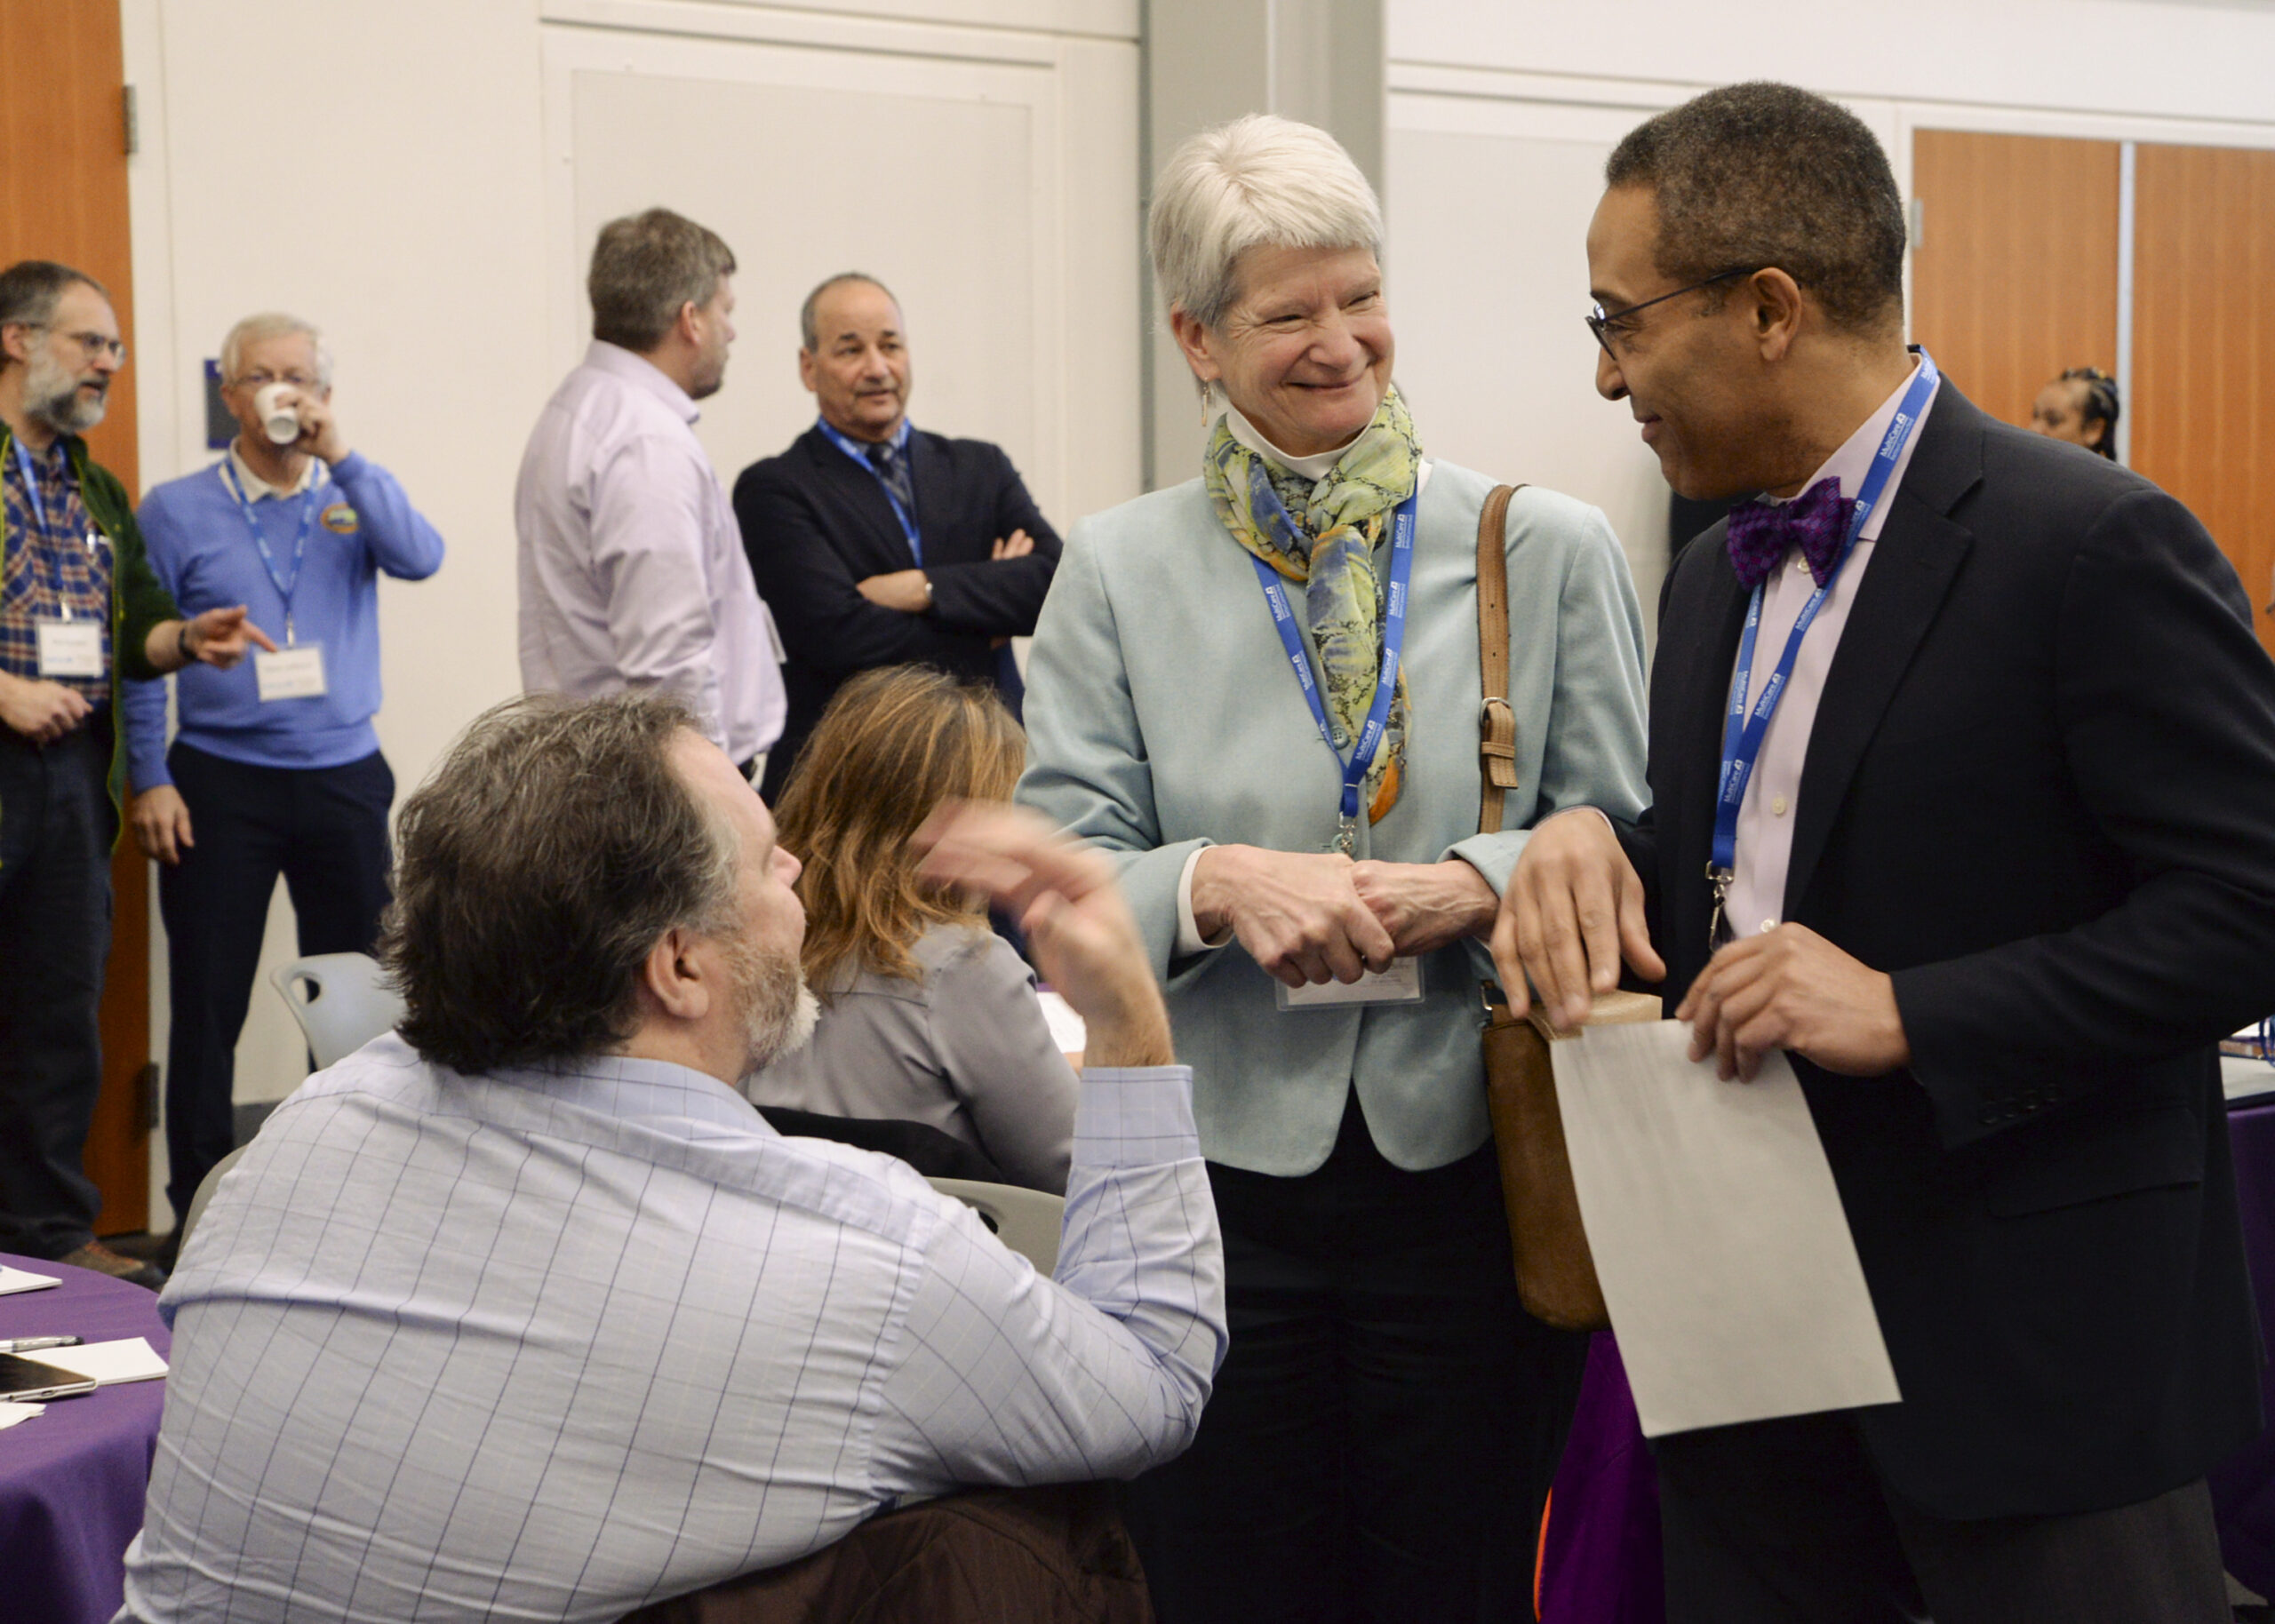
{"x":556,"y":1343}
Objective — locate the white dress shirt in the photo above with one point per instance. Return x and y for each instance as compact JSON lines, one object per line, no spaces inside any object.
{"x":556,"y":1343}
{"x":1765,"y":843}
{"x":258,"y":489}
{"x":633,"y":573}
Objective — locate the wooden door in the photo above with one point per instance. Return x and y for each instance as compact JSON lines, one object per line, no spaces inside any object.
{"x":63,"y":196}
{"x":2203,"y":385}
{"x":2013,"y":276}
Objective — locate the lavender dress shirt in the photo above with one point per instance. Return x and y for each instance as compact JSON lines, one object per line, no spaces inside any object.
{"x":633,"y":573}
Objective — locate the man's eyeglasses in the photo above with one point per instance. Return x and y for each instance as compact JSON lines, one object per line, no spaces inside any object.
{"x":94,"y":343}
{"x":1621,"y":323}
{"x":293,"y":376}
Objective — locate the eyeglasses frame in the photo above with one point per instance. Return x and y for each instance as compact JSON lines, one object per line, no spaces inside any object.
{"x":1597,"y":319}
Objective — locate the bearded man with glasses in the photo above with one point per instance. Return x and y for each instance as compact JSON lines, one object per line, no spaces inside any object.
{"x":80,"y":610}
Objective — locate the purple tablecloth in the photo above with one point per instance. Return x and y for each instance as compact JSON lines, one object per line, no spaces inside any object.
{"x":1599,"y":1540}
{"x":72,"y":1480}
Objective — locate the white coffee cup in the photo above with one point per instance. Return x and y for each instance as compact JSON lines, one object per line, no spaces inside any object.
{"x":272,"y":403}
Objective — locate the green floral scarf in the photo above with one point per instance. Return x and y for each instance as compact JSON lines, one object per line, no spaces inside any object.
{"x":1325,"y":537}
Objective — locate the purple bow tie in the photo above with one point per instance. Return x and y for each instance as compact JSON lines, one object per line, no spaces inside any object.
{"x":1816,"y":521}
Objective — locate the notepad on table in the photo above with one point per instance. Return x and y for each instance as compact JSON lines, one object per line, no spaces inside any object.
{"x":12,"y":1412}
{"x":130,"y":1359}
{"x":25,"y":1280}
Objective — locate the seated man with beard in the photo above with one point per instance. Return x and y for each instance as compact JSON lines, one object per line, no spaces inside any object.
{"x":522,"y":1310}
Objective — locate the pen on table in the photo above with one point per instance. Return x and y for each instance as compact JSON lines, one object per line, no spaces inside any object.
{"x":27,"y":1344}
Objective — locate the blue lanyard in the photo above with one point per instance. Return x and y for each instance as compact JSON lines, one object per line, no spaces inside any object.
{"x":1744,"y":732}
{"x":308,"y":507}
{"x":54,"y":548}
{"x":855,"y":450}
{"x":1370,"y":735}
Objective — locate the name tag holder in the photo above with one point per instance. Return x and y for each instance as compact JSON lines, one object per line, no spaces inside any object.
{"x":295,"y":672}
{"x":1402,"y":983}
{"x":70,"y":648}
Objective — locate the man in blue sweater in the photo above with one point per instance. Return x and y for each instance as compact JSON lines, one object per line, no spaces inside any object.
{"x":276,"y":768}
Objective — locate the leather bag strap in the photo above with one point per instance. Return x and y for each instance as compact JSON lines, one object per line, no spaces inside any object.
{"x":1497,"y":723}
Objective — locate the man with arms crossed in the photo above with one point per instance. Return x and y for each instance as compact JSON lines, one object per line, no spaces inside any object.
{"x":524,"y":1310}
{"x":1997,"y":872}
{"x":276,"y":769}
{"x":632,"y":570}
{"x":876,"y":543}
{"x":79,"y":612}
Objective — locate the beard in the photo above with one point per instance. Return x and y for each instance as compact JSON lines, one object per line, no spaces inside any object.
{"x":53,"y":396}
{"x":778,"y":1010}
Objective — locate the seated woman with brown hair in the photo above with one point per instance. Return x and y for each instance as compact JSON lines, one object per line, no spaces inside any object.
{"x":927,"y":1016}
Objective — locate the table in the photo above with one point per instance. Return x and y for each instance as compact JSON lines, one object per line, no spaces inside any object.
{"x":72,"y":1480}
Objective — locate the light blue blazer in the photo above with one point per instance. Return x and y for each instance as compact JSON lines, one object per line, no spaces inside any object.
{"x":1162,"y":716}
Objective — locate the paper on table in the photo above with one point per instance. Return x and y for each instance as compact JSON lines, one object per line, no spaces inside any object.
{"x":25,"y":1280}
{"x":12,"y":1412}
{"x":130,"y":1359}
{"x":1719,"y":1236}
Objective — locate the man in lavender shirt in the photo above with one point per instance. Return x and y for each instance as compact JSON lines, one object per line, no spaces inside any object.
{"x":632,"y":574}
{"x":2001,"y":874}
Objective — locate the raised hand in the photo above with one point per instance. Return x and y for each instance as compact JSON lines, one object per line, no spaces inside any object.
{"x":1084,"y":939}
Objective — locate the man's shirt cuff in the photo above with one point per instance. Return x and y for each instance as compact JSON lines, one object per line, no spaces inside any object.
{"x":1135,"y":1117}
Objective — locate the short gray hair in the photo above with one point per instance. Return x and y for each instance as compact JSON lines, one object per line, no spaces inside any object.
{"x":808,"y":333}
{"x":646,"y":266}
{"x":1261,"y":181}
{"x":272,"y":324}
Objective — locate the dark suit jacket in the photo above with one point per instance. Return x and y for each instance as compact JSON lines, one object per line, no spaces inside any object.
{"x":2040,"y":793}
{"x":815,"y":523}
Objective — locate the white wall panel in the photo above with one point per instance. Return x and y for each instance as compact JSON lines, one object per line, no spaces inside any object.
{"x":2178,"y":59}
{"x":1487,"y":282}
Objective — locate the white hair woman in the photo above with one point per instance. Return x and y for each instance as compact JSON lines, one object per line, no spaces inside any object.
{"x":1299,"y":838}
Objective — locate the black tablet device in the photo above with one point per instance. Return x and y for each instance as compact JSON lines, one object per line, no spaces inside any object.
{"x":29,"y":1381}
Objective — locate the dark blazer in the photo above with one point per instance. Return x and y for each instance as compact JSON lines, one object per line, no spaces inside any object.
{"x":815,"y":523}
{"x":2040,"y":793}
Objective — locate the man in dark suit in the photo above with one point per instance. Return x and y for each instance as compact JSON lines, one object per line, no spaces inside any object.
{"x":876,"y":544}
{"x":2002,"y":870}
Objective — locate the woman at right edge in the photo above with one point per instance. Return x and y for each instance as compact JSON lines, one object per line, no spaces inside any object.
{"x":1387,"y":1419}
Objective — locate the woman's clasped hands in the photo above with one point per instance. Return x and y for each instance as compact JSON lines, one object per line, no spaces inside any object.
{"x":1314,"y":917}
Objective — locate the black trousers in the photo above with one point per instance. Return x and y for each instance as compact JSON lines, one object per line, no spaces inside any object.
{"x":325,"y":830}
{"x":1387,"y":1419}
{"x":57,"y":824}
{"x":1786,"y":1522}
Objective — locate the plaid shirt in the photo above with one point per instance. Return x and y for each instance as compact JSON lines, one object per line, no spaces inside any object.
{"x":39,"y":556}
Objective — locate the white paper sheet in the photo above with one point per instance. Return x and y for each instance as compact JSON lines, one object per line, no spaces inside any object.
{"x":12,"y":1412}
{"x":1067,"y":1030}
{"x":1719,"y":1236}
{"x":25,"y":1280}
{"x":130,"y":1359}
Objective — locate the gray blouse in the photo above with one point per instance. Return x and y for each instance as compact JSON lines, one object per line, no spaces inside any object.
{"x":965,"y":1050}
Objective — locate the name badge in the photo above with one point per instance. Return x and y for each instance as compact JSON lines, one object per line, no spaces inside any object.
{"x":1402,"y":983}
{"x":296,"y":672}
{"x":70,"y":648}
